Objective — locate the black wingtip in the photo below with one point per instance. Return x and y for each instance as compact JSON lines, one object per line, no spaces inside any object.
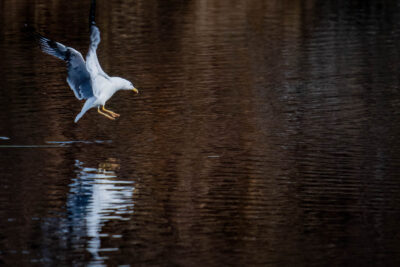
{"x":41,"y":41}
{"x":92,"y":14}
{"x":31,"y":32}
{"x":28,"y":29}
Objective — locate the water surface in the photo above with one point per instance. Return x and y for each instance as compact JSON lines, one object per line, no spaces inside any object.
{"x":266,"y":133}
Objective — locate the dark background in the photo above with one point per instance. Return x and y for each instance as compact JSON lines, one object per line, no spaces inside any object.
{"x":266,"y":133}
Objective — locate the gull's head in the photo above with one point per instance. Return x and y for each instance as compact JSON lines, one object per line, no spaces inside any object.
{"x":125,"y":85}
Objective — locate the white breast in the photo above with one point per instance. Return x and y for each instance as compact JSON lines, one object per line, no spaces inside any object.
{"x":103,"y":89}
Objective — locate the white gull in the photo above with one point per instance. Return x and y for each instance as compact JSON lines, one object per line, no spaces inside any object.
{"x":87,"y":79}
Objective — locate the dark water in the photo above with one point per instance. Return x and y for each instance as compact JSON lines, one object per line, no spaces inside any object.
{"x":266,"y":133}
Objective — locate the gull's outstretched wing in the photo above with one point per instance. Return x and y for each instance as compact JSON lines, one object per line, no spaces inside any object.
{"x":92,"y":61}
{"x":78,"y":76}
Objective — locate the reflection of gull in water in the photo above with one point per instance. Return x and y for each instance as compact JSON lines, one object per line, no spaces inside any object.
{"x":87,"y":79}
{"x":96,"y":196}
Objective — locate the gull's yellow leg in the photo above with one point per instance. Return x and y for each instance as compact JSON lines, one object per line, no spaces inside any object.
{"x":104,"y":114}
{"x":115,"y":115}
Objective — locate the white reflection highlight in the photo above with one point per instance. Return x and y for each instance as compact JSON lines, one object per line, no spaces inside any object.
{"x":97,"y":196}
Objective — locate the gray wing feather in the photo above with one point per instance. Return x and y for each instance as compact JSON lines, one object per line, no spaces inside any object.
{"x":94,"y":36}
{"x":94,"y":30}
{"x":78,"y":76}
{"x":92,"y":62}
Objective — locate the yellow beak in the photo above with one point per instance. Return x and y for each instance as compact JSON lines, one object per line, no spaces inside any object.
{"x":135,"y":90}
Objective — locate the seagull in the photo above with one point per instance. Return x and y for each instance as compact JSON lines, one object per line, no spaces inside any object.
{"x":87,"y":79}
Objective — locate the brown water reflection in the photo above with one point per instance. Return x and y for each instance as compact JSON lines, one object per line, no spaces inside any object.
{"x":266,"y":133}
